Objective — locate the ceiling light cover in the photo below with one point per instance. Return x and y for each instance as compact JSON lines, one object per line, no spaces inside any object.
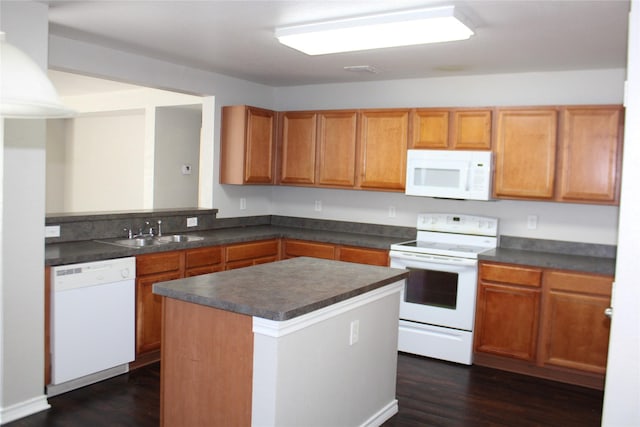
{"x":26,"y":92}
{"x":377,"y":31}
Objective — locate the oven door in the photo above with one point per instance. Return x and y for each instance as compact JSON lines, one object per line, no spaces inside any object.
{"x":439,"y":291}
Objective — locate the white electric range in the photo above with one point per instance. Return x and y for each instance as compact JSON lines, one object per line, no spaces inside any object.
{"x":437,"y":309}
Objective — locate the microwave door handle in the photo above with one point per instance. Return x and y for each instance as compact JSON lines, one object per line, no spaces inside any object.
{"x":466,"y":177}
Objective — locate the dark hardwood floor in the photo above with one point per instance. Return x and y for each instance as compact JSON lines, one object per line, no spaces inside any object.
{"x":430,"y":393}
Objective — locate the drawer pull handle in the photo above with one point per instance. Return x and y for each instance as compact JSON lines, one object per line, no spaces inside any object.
{"x":608,"y":312}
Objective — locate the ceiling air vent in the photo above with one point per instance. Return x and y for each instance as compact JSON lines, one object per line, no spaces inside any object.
{"x":362,"y":69}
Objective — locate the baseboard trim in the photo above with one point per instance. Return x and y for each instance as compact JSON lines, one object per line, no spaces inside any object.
{"x":23,"y":409}
{"x":382,"y":415}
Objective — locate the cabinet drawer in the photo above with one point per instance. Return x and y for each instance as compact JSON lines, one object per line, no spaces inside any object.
{"x":295,"y":248}
{"x":159,"y":263}
{"x":516,"y":275}
{"x":578,"y":282}
{"x":252,"y":250}
{"x":363,"y":255}
{"x":203,"y":257}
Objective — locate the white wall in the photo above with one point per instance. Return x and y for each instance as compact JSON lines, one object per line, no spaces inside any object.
{"x":84,"y":58}
{"x":22,"y":226}
{"x":587,"y":223}
{"x":104,"y":168}
{"x":115,"y":131}
{"x":177,"y":143}
{"x":622,"y":387}
{"x":55,"y":164}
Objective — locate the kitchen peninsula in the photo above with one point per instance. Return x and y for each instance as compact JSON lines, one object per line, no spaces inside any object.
{"x":303,"y":341}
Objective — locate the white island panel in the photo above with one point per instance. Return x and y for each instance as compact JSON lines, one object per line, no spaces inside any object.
{"x":314,"y":371}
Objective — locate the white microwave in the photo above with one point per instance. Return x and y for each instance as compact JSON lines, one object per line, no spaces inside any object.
{"x":451,"y":174}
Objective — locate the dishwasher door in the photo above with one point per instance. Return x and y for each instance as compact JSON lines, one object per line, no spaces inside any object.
{"x":92,"y":321}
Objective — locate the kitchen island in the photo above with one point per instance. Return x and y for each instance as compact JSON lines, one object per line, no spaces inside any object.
{"x":304,"y":341}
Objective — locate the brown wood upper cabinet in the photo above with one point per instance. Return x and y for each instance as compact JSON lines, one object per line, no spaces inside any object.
{"x":384,"y":138}
{"x":297,"y":159}
{"x":590,"y":154}
{"x":247,"y":145}
{"x":337,"y":140}
{"x":317,"y":148}
{"x":569,"y":154}
{"x":462,"y":129}
{"x":525,"y":150}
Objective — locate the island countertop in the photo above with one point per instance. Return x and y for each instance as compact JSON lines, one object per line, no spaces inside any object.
{"x":281,"y":290}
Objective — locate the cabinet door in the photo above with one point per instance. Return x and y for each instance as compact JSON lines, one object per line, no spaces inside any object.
{"x":507,"y":313}
{"x":430,"y":129}
{"x":590,"y":154}
{"x":507,"y":321}
{"x":363,"y":255}
{"x":298,"y":148}
{"x":247,"y":146}
{"x":259,"y":164}
{"x":383,"y":149}
{"x":525,"y":150}
{"x":337,"y":148}
{"x":575,"y":331}
{"x":471,"y":130}
{"x":149,"y":311}
{"x":152,"y":268}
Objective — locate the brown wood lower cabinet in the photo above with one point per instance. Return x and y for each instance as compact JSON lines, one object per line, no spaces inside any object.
{"x":363,"y":255}
{"x":294,"y":248}
{"x":543,"y":322}
{"x":204,"y":260}
{"x":247,"y":254}
{"x":576,"y":331}
{"x":150,"y":269}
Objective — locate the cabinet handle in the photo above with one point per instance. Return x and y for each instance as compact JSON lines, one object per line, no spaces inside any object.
{"x":608,"y":312}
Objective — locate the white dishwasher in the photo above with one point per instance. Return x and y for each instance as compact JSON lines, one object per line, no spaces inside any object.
{"x":92,"y":322}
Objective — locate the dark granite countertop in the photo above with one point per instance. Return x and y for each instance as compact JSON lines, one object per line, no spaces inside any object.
{"x":583,"y":257}
{"x":85,"y":251}
{"x":281,"y":290}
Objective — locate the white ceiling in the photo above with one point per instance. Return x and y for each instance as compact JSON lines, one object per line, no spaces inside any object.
{"x":236,"y":37}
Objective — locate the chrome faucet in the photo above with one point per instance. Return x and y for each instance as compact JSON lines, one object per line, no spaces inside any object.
{"x":142,"y":233}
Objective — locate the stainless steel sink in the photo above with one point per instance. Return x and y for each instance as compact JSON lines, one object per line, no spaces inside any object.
{"x":177,"y":238}
{"x":140,"y":242}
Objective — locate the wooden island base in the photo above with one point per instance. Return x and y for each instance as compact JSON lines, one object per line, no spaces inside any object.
{"x":206,"y":366}
{"x":301,"y":342}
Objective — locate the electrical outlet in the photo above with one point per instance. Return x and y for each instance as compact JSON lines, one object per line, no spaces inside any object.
{"x":354,"y":332}
{"x":318,"y":206}
{"x":243,"y":203}
{"x":52,"y":231}
{"x":192,"y":222}
{"x":392,"y":211}
{"x":532,"y":222}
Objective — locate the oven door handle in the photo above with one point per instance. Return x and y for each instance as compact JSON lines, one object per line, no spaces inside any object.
{"x":435,"y":259}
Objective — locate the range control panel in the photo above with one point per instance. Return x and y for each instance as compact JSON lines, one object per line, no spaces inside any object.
{"x":456,"y":223}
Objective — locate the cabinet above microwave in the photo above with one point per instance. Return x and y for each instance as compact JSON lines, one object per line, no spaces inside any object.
{"x":451,"y":174}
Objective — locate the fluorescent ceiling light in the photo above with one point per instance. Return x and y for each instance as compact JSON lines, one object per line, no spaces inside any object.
{"x":26,"y":92}
{"x":377,"y":31}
